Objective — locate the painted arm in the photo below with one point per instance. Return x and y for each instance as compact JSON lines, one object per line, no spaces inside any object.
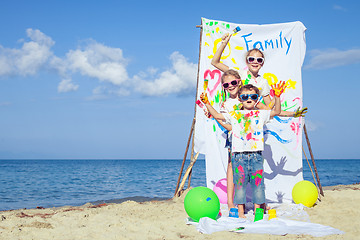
{"x":300,"y":112}
{"x":262,"y":106}
{"x":278,"y":90}
{"x":218,"y":116}
{"x":217,"y":56}
{"x":268,"y":101}
{"x":212,"y":111}
{"x":225,"y":125}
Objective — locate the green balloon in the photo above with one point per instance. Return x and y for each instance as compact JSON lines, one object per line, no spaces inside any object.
{"x":201,"y":202}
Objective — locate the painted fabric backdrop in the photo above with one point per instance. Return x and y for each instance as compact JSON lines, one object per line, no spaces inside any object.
{"x":284,"y":48}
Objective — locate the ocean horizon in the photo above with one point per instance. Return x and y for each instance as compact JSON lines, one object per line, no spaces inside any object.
{"x":46,"y":183}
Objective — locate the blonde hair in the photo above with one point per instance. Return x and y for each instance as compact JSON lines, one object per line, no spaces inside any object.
{"x":231,"y":72}
{"x":254,"y":50}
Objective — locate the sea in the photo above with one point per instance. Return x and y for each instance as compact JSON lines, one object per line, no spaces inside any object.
{"x":55,"y":183}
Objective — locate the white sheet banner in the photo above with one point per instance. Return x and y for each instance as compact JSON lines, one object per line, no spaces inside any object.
{"x":284,"y":48}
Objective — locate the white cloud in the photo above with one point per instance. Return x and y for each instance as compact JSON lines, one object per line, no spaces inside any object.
{"x":122,"y":92}
{"x":339,"y":8}
{"x":98,"y":93}
{"x":312,"y":126}
{"x":99,"y":61}
{"x":5,"y":104}
{"x":27,"y":60}
{"x":104,"y":92}
{"x":96,"y":61}
{"x":180,"y":79}
{"x":5,"y":63}
{"x":66,"y":85}
{"x":329,"y":58}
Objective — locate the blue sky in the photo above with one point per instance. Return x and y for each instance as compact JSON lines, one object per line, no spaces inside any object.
{"x":116,"y":79}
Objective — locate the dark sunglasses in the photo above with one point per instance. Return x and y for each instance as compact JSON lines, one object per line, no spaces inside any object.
{"x":245,"y":97}
{"x":233,"y":82}
{"x":253,"y":59}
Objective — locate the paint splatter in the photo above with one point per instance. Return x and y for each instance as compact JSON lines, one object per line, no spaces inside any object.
{"x":280,"y":120}
{"x":277,"y":136}
{"x":221,"y":127}
{"x":257,"y":176}
{"x":239,"y":170}
{"x":295,"y":127}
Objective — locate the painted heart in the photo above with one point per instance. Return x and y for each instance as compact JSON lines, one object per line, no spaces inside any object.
{"x":214,"y":79}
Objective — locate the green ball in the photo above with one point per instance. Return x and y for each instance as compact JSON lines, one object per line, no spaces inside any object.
{"x":201,"y":202}
{"x":305,"y":192}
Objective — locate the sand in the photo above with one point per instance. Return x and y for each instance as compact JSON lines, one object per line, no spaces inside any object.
{"x":163,"y":220}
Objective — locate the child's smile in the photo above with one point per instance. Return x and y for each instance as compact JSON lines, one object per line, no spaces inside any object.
{"x":231,"y":85}
{"x":255,"y":66}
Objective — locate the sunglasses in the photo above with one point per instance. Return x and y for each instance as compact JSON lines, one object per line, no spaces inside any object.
{"x":253,"y":59}
{"x":233,"y":82}
{"x":245,"y":97}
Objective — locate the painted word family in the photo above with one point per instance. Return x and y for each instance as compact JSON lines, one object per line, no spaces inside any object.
{"x":279,"y":42}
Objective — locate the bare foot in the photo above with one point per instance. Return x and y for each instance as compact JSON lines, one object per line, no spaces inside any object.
{"x":241,"y":209}
{"x":265,"y":207}
{"x":231,"y":205}
{"x":242,"y":215}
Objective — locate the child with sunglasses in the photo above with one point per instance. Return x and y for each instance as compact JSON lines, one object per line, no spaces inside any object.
{"x":247,"y":144}
{"x":231,"y":83}
{"x":254,"y":60}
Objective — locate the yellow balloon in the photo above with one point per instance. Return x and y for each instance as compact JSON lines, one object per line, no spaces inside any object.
{"x":305,"y":192}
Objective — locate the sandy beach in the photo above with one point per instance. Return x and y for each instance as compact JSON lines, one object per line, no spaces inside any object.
{"x":163,"y":220}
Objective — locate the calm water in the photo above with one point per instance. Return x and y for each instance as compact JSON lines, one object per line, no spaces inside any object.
{"x":49,"y":183}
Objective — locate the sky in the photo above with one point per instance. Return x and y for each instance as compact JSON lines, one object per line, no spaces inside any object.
{"x":117,"y":79}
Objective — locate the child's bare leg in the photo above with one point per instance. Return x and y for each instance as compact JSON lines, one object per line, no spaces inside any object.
{"x":241,"y":209}
{"x":230,"y":186}
{"x":265,"y":207}
{"x":256,"y":206}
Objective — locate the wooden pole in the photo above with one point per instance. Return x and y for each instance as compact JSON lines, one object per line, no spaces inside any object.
{"x":197,"y":86}
{"x":191,"y":157}
{"x":191,"y":136}
{"x":187,"y":172}
{"x":186,"y":151}
{"x":313,"y":161}
{"x":189,"y":180}
{"x":312,"y":173}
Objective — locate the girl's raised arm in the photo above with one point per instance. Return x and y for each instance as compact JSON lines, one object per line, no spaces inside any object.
{"x":217,"y":56}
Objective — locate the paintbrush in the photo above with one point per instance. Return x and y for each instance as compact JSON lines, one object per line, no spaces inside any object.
{"x":206,"y":82}
{"x":237,"y":29}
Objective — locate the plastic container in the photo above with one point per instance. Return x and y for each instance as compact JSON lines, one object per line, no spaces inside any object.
{"x":272,"y":213}
{"x":259,"y":214}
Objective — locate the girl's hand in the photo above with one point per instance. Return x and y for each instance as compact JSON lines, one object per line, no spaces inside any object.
{"x":226,"y":38}
{"x":300,"y":112}
{"x":204,"y":98}
{"x":278,"y":88}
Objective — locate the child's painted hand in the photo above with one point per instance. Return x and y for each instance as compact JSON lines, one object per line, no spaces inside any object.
{"x":204,"y":98}
{"x":300,"y":112}
{"x":225,"y":38}
{"x":278,"y":88}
